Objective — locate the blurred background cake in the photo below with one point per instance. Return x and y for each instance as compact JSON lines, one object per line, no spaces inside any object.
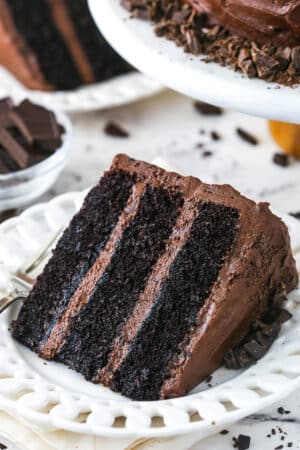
{"x":54,"y":45}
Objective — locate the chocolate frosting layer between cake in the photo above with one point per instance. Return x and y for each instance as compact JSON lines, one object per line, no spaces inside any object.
{"x":268,"y":21}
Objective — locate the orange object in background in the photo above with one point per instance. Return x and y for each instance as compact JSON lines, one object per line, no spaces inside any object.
{"x":287,"y":136}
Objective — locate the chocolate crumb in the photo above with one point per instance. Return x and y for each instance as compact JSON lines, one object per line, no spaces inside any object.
{"x":281,"y":159}
{"x":224,"y":432}
{"x":215,"y":136}
{"x":290,"y":444}
{"x":242,"y":442}
{"x":115,"y":130}
{"x":207,"y":153}
{"x":295,"y":214}
{"x":209,"y":379}
{"x":279,"y":447}
{"x":208,"y":110}
{"x":282,"y":411}
{"x":273,"y":431}
{"x":247,"y":137}
{"x":2,"y":446}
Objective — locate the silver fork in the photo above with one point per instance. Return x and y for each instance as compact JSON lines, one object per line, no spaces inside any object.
{"x":23,"y":280}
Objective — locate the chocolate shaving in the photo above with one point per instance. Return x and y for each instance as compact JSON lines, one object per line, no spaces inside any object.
{"x":208,"y":110}
{"x":295,"y":214}
{"x":115,"y":130}
{"x":258,"y":341}
{"x":247,"y":137}
{"x":281,"y":159}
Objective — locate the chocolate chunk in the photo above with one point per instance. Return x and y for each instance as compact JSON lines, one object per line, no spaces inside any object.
{"x":281,"y":159}
{"x":290,"y":444}
{"x":215,"y":136}
{"x":295,"y":214}
{"x":247,"y":137}
{"x":115,"y":130}
{"x":224,"y":432}
{"x":28,"y":134}
{"x":258,"y":340}
{"x":6,"y":106}
{"x":242,"y":442}
{"x":296,"y":58}
{"x":208,"y":110}
{"x":13,"y":148}
{"x":255,"y":349}
{"x":37,"y":124}
{"x":207,"y":153}
{"x":265,"y":64}
{"x":282,"y":411}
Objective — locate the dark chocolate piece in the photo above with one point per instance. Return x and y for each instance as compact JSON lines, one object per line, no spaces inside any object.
{"x":247,"y":137}
{"x":28,"y":134}
{"x":295,"y":214}
{"x":281,"y":159}
{"x":115,"y":130}
{"x":242,"y":442}
{"x":208,"y":110}
{"x":37,"y":124}
{"x":13,"y":148}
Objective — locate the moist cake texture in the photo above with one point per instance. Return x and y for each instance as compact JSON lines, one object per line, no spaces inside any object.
{"x":54,"y":44}
{"x":157,"y":277}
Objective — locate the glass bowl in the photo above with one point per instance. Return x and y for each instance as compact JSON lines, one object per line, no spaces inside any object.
{"x":19,"y":188}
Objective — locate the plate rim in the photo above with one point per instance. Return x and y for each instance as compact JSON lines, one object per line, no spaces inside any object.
{"x":118,"y":91}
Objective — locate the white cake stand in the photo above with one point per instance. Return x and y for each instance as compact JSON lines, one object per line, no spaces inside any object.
{"x":135,"y":40}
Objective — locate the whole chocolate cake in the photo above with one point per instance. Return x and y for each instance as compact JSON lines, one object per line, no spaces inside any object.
{"x":156,"y":279}
{"x":54,"y":44}
{"x":260,"y":38}
{"x":276,"y":21}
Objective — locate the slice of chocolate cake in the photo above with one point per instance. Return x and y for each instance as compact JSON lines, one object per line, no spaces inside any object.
{"x":54,"y":44}
{"x":155,"y":279}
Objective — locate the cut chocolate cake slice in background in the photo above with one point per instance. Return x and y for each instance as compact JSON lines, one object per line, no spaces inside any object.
{"x":55,"y":44}
{"x":155,"y":279}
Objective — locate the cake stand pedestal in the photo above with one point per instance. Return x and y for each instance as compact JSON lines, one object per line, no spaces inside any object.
{"x":135,"y":40}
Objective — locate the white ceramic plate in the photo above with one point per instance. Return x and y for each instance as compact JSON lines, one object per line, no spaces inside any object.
{"x":50,"y":396}
{"x":115,"y":92}
{"x":135,"y":40}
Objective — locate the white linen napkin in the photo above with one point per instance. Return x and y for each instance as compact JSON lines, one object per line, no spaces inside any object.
{"x":26,"y":437}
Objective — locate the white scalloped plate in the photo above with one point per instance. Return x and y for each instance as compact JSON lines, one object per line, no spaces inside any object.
{"x":136,"y":41}
{"x":115,"y":92}
{"x":50,"y":396}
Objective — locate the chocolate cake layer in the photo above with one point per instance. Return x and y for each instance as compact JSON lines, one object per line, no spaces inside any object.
{"x":33,"y":20}
{"x":75,"y":253}
{"x":182,"y":295}
{"x":55,"y":45}
{"x":105,"y":62}
{"x":181,"y":275}
{"x":116,"y":293}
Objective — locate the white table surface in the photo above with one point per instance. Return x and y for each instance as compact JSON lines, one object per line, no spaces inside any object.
{"x":168,"y":126}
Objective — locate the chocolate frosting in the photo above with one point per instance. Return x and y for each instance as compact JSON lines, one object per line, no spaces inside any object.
{"x":266,"y":21}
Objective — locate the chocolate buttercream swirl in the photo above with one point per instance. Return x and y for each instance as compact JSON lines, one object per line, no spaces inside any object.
{"x":267,"y":21}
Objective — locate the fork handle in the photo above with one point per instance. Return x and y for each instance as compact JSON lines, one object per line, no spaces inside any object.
{"x":5,"y":302}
